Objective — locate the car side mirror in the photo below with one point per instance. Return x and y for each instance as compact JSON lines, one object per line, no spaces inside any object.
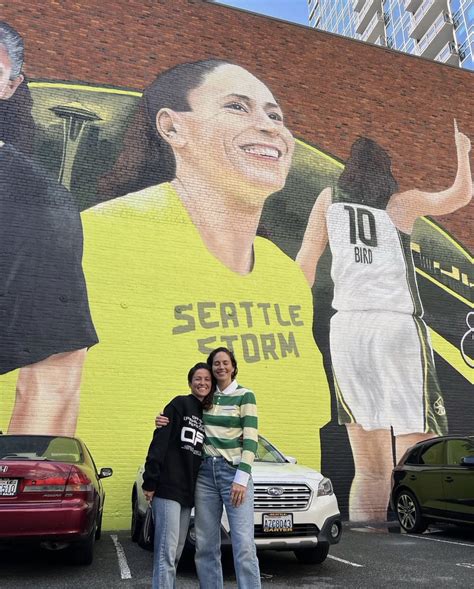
{"x":105,"y":473}
{"x":291,"y":459}
{"x":467,"y":461}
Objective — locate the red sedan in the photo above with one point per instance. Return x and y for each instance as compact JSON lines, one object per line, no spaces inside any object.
{"x":51,"y":492}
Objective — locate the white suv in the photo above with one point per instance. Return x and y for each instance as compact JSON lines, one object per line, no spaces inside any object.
{"x":295,"y":508}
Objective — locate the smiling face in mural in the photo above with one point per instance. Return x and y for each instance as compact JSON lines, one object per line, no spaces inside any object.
{"x":7,"y":85}
{"x":234,"y":133}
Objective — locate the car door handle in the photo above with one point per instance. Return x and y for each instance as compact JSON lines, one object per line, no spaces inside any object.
{"x":449,"y":479}
{"x":412,"y":477}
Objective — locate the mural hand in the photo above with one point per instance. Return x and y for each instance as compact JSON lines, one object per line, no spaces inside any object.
{"x":463,"y":143}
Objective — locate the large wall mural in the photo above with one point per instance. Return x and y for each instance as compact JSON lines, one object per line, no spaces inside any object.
{"x":142,"y":229}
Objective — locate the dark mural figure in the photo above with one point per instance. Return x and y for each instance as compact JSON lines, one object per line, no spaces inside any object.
{"x":384,"y":373}
{"x":45,"y":324}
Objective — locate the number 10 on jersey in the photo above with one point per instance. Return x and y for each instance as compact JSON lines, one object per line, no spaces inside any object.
{"x":362,"y":230}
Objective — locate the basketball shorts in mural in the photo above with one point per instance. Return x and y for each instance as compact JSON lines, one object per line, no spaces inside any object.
{"x":384,"y":373}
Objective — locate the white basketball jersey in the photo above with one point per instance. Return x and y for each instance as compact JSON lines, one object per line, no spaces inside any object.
{"x":372,"y":266}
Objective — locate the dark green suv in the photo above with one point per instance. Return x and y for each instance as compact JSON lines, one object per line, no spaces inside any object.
{"x":434,"y":481}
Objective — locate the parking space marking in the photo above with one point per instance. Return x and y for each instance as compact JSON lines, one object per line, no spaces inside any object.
{"x":444,"y":541}
{"x":122,"y":559}
{"x":467,"y":565}
{"x":352,"y":564}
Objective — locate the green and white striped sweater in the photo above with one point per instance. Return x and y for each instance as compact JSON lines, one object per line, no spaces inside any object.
{"x":231,"y":428}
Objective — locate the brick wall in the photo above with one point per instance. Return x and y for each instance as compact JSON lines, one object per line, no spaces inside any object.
{"x":331,"y":88}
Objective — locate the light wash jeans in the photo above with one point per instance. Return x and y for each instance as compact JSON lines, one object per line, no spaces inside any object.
{"x":212,"y":492}
{"x":171,"y":527}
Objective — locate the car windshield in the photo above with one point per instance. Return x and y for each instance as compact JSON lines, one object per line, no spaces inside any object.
{"x":53,"y":448}
{"x":267,"y":453}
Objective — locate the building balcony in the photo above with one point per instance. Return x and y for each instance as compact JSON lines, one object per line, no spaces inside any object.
{"x":357,"y":5}
{"x":375,"y":28}
{"x":412,"y":5}
{"x":425,"y":16}
{"x":449,"y":54}
{"x":366,"y":14}
{"x":440,"y":33}
{"x":465,"y":50}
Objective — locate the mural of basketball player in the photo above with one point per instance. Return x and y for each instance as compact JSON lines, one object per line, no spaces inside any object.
{"x":181,"y":261}
{"x":45,"y":324}
{"x":383,"y":364}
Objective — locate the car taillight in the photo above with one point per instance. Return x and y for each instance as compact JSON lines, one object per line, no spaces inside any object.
{"x":78,"y":484}
{"x":53,"y":484}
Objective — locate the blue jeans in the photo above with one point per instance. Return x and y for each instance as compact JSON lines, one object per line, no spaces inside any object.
{"x":171,"y":527}
{"x":212,"y":493}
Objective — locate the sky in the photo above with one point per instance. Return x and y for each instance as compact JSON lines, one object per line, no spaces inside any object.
{"x":293,"y":10}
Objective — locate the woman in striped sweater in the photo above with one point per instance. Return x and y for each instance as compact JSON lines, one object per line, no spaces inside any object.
{"x":225,"y":478}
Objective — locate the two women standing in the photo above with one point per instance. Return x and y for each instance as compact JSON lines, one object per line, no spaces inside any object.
{"x":222,"y":479}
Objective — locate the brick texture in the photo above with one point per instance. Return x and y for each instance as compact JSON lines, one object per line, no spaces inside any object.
{"x":332,"y":89}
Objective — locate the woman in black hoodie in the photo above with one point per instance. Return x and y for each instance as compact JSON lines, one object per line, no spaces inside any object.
{"x":171,"y":470}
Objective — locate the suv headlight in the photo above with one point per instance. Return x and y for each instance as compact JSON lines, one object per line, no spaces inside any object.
{"x":325,"y":487}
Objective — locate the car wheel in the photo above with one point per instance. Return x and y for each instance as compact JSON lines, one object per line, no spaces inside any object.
{"x":409,"y":513}
{"x":82,"y":553}
{"x":137,"y":521}
{"x":313,"y":555}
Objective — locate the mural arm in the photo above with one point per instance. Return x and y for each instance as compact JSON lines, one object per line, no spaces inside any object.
{"x":47,"y":395}
{"x":315,"y":237}
{"x":407,"y":206}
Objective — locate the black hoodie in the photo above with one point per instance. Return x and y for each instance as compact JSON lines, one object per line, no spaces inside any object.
{"x":174,"y":456}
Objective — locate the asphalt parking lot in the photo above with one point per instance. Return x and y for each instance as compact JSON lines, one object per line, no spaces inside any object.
{"x":366,"y":557}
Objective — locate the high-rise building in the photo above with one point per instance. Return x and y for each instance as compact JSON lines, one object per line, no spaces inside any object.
{"x":442,"y":30}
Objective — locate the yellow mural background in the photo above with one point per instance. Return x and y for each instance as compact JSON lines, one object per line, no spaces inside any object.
{"x":117,"y":427}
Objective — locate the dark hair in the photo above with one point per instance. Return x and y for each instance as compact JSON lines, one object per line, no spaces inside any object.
{"x":211,"y":356}
{"x":146,"y":158}
{"x":367,"y":177}
{"x":208,"y":399}
{"x":13,"y":44}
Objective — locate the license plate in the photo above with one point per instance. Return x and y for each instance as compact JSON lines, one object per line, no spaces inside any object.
{"x":273,"y":523}
{"x":8,"y":487}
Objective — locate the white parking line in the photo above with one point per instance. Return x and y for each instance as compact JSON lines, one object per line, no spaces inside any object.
{"x":444,"y":541}
{"x":467,"y":565}
{"x":353,"y":564}
{"x":122,"y":559}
